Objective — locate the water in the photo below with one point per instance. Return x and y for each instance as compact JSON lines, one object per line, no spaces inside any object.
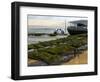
{"x":41,"y":29}
{"x":36,"y":39}
{"x":44,"y":29}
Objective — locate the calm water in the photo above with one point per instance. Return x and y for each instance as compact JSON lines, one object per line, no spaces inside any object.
{"x":36,"y":39}
{"x":48,"y":30}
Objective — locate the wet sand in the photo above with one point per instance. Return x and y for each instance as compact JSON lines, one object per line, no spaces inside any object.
{"x":81,"y":59}
{"x":31,"y":61}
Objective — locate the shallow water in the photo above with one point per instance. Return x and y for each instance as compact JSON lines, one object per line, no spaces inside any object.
{"x":35,"y":39}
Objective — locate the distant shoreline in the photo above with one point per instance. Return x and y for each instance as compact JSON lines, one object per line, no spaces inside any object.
{"x":40,"y":34}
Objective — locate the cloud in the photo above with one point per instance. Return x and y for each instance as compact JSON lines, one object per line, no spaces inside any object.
{"x":51,"y":21}
{"x":39,"y":22}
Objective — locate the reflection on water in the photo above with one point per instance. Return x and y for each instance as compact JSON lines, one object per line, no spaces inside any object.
{"x":35,"y":39}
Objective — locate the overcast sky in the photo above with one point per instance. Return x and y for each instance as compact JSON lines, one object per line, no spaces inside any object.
{"x":51,"y":21}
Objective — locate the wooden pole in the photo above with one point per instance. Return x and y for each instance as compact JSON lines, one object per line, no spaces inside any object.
{"x":65,"y":26}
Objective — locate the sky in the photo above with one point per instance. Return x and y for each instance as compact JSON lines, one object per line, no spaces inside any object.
{"x":51,"y":21}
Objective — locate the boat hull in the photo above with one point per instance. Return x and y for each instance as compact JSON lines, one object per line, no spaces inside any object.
{"x":73,"y":31}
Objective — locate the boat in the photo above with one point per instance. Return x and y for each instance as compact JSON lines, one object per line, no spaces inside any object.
{"x":59,"y":32}
{"x":77,"y":27}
